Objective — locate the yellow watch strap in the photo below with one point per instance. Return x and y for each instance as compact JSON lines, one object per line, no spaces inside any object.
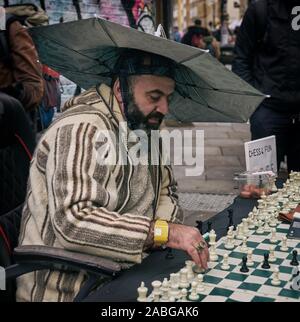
{"x":161,"y":232}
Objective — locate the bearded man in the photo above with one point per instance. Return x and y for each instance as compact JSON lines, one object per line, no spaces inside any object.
{"x":118,"y":211}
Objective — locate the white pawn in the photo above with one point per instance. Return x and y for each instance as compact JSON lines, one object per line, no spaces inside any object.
{"x":267,"y":228}
{"x":189,"y":266}
{"x":184,"y":283}
{"x":229,"y":240}
{"x":184,"y":295}
{"x":174,"y":282}
{"x":272,"y":257}
{"x":284,"y":247}
{"x":156,"y":290}
{"x":260,"y":229}
{"x":142,"y":291}
{"x":239,"y":234}
{"x":194,"y":295}
{"x":212,"y":253}
{"x":275,"y":279}
{"x":200,"y":285}
{"x":245,"y":227}
{"x":273,"y":238}
{"x":249,"y":258}
{"x":244,"y":248}
{"x":225,"y":265}
{"x":165,"y":291}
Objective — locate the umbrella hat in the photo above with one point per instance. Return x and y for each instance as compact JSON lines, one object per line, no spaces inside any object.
{"x":87,"y":51}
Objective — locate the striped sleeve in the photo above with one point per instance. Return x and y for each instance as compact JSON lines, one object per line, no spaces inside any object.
{"x":80,"y":188}
{"x":168,"y":207}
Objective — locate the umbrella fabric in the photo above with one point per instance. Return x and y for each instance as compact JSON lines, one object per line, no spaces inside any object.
{"x":86,"y":52}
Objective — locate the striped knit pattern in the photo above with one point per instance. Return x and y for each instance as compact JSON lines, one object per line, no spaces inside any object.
{"x":76,"y":203}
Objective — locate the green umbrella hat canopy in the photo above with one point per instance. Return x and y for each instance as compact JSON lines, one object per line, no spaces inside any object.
{"x":87,"y":51}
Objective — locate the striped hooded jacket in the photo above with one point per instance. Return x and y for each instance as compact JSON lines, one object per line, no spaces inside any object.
{"x":76,"y":203}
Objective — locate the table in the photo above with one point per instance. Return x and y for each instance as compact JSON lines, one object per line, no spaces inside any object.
{"x":156,"y":266}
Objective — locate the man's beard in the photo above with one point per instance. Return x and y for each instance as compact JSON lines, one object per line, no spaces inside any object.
{"x":138,"y":121}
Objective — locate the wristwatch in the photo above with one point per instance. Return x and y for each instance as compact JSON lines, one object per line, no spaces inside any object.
{"x":161,"y":232}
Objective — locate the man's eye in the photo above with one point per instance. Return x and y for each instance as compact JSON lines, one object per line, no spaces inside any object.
{"x":154,"y":98}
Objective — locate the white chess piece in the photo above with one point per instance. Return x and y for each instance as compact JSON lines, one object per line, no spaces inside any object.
{"x":225,"y":266}
{"x":174,"y":282}
{"x":245,"y":227}
{"x":184,"y":283}
{"x":229,"y":240}
{"x":275,"y":279}
{"x":212,"y":249}
{"x":142,"y":292}
{"x":249,"y":258}
{"x":273,"y":238}
{"x":272,"y":257}
{"x":156,"y":290}
{"x":190,"y":274}
{"x":260,"y":229}
{"x":284,"y":247}
{"x":194,"y":295}
{"x":165,"y":291}
{"x":239,"y":234}
{"x":184,"y":295}
{"x":200,"y":285}
{"x":244,"y":248}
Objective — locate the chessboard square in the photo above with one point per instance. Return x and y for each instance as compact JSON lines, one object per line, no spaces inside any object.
{"x":280,"y":254}
{"x":218,"y":291}
{"x":201,"y":297}
{"x":298,"y":246}
{"x":250,"y":286}
{"x":256,"y":280}
{"x":215,"y":299}
{"x":229,"y":283}
{"x":262,"y":273}
{"x":267,"y":241}
{"x":219,"y":268}
{"x":217,"y":273}
{"x":262,"y":299}
{"x":236,"y":254}
{"x":234,"y":261}
{"x":290,"y":293}
{"x":252,"y":244}
{"x":281,"y":285}
{"x":285,"y":269}
{"x":211,"y":279}
{"x":242,"y":297}
{"x":269,"y":290}
{"x":258,"y":251}
{"x":286,"y":262}
{"x":277,"y":248}
{"x":257,"y":238}
{"x":236,"y":276}
{"x":237,"y":269}
{"x":263,"y":246}
{"x":281,"y":230}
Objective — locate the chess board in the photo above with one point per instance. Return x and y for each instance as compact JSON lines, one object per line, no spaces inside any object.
{"x":255,"y":286}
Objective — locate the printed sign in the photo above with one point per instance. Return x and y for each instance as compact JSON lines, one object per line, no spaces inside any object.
{"x":261,"y":155}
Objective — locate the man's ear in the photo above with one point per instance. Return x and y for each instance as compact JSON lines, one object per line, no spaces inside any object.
{"x":117,"y":90}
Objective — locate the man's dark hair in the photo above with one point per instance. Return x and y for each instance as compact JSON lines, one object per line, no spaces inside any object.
{"x":198,"y":22}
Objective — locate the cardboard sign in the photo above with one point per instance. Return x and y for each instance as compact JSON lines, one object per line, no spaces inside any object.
{"x":261,"y":154}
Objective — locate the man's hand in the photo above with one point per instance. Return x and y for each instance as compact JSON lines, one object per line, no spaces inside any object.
{"x":187,"y":238}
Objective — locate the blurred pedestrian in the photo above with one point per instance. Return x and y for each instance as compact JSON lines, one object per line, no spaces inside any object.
{"x":267,"y":56}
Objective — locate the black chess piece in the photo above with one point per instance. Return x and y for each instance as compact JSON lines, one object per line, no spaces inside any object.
{"x":230,"y":217}
{"x":294,"y":261}
{"x":266,"y":264}
{"x":169,"y":254}
{"x":199,"y":225}
{"x":209,"y":224}
{"x":244,"y":268}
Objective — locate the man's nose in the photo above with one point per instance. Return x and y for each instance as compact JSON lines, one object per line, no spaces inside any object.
{"x":163,"y":107}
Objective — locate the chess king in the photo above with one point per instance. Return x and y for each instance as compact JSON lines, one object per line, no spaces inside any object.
{"x":119,"y":212}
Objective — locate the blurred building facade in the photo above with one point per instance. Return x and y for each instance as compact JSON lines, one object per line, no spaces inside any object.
{"x":186,"y":11}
